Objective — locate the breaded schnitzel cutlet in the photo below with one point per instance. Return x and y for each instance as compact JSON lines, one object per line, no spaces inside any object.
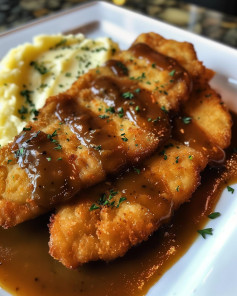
{"x":108,"y":219}
{"x":91,"y":228}
{"x":111,"y":117}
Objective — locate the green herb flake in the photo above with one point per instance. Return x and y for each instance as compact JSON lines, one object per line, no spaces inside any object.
{"x":164,"y":109}
{"x":120,"y":112}
{"x":186,"y":120}
{"x":137,"y":170}
{"x":26,"y":94}
{"x":98,"y":148}
{"x":204,"y":232}
{"x":49,"y":158}
{"x":214,"y":215}
{"x":23,"y":110}
{"x":153,"y":65}
{"x":59,"y":147}
{"x":137,"y":90}
{"x":9,"y":160}
{"x":94,"y":207}
{"x":137,"y":108}
{"x":60,"y":158}
{"x":103,"y":116}
{"x":128,"y":95}
{"x":122,"y":199}
{"x":123,"y":67}
{"x":190,"y":157}
{"x":110,"y":109}
{"x":60,"y":43}
{"x":124,"y":138}
{"x":27,"y":128}
{"x":39,"y":67}
{"x":172,"y":73}
{"x":230,"y":189}
{"x":177,"y":188}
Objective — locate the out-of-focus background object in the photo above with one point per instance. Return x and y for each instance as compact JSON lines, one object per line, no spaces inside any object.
{"x":216,"y":20}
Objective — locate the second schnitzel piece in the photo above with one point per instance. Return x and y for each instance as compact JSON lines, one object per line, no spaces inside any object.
{"x":137,"y":203}
{"x":107,"y":120}
{"x":110,"y":218}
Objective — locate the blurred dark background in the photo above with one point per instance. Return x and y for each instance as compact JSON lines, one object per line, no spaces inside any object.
{"x":226,"y":6}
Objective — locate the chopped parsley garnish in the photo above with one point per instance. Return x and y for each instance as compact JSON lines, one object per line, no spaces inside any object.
{"x":143,"y":76}
{"x":124,"y":138}
{"x":94,"y":207}
{"x":27,"y":128}
{"x":122,"y":199}
{"x":123,"y":67}
{"x":190,"y":157}
{"x":62,"y":42}
{"x":164,"y":109}
{"x":164,"y":153}
{"x":137,"y":108}
{"x":98,"y":148}
{"x":172,"y":73}
{"x":137,"y":90}
{"x":156,"y":119}
{"x":206,"y":231}
{"x":49,"y":158}
{"x":137,"y":170}
{"x":120,"y":112}
{"x":177,"y":159}
{"x":110,"y":109}
{"x":39,"y":67}
{"x":107,"y":200}
{"x":9,"y":160}
{"x":103,"y":116}
{"x":177,"y":188}
{"x":153,"y":65}
{"x":26,"y":94}
{"x":214,"y":215}
{"x":59,"y":147}
{"x":23,"y":110}
{"x":186,"y":120}
{"x":20,"y":152}
{"x":230,"y":189}
{"x":128,"y":95}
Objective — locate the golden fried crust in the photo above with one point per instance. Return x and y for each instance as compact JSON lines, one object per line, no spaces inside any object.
{"x":183,"y":52}
{"x":168,"y":86}
{"x":79,"y":235}
{"x":210,"y":114}
{"x":139,"y":138}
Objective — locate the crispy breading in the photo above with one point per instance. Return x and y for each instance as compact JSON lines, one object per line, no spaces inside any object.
{"x":136,"y":130}
{"x":79,"y":235}
{"x":183,"y":52}
{"x":210,"y":114}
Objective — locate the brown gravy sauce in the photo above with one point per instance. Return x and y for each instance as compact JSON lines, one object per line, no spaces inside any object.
{"x":53,"y":178}
{"x":57,"y":180}
{"x":26,"y":268}
{"x":142,"y":50}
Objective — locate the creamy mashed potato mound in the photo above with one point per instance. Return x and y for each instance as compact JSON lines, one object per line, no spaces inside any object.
{"x":30,"y":73}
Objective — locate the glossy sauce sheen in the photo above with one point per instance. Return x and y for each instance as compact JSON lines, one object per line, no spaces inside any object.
{"x":25,"y":248}
{"x":51,"y":183}
{"x":52,"y":177}
{"x":142,"y":50}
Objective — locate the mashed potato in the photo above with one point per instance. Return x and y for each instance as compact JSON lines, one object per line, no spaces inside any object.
{"x":30,"y":73}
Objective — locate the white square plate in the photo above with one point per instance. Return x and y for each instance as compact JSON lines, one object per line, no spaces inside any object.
{"x":209,"y":267}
